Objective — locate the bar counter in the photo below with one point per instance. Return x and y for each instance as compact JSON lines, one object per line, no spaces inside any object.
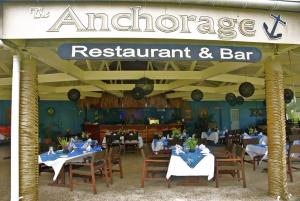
{"x":146,"y":131}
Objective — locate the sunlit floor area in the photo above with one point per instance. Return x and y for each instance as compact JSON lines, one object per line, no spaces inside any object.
{"x":129,"y":189}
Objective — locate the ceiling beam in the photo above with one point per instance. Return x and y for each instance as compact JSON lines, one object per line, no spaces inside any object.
{"x":50,"y":58}
{"x":237,"y":79}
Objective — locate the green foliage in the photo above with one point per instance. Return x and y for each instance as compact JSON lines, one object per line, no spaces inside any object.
{"x":63,"y":141}
{"x":176,"y":133}
{"x":191,"y":143}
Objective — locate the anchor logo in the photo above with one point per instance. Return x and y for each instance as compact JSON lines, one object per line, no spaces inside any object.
{"x":272,"y":34}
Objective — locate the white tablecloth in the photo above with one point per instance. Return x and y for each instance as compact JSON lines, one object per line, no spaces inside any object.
{"x":141,"y":143}
{"x":178,"y":167}
{"x":58,"y":163}
{"x":214,"y":136}
{"x":256,"y":150}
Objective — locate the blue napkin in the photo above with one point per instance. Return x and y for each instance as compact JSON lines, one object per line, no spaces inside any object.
{"x":191,"y":158}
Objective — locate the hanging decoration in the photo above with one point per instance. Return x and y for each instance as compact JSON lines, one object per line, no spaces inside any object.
{"x":146,"y":84}
{"x":240,"y":100}
{"x":288,"y":95}
{"x":74,"y":95}
{"x":246,"y":89}
{"x":231,"y":99}
{"x":50,"y":111}
{"x":138,"y":93}
{"x":197,"y":95}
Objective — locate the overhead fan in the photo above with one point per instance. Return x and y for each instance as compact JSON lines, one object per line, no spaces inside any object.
{"x":240,"y":100}
{"x":231,"y":99}
{"x":246,"y":89}
{"x":197,"y":95}
{"x":288,"y":95}
{"x":138,"y":93}
{"x":74,"y":95}
{"x":146,"y":84}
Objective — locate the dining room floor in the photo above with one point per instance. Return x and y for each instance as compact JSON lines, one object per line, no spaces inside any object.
{"x":128,"y":188}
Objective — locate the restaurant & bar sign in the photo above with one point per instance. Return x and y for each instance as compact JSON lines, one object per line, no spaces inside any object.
{"x":128,"y":51}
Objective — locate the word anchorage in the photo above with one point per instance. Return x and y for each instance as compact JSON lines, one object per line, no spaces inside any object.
{"x":225,"y":28}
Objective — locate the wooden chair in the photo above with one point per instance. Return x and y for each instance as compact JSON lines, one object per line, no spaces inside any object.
{"x":293,"y":156}
{"x":233,"y":165}
{"x":153,"y":166}
{"x":131,"y":140}
{"x":114,"y":159}
{"x":256,"y":159}
{"x":228,"y":153}
{"x":292,"y":138}
{"x":89,"y":168}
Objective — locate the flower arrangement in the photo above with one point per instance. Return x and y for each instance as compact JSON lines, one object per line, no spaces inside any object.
{"x":64,"y":143}
{"x":191,"y":143}
{"x":176,"y":133}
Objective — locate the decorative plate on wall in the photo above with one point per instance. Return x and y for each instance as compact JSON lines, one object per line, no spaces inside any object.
{"x":50,"y":111}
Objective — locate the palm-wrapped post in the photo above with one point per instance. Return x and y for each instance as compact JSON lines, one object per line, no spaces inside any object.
{"x":277,"y":181}
{"x":28,"y":131}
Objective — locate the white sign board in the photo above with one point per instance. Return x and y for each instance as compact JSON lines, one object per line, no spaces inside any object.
{"x":95,"y":20}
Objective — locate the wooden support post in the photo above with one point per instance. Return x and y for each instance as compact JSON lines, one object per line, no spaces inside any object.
{"x":277,"y":181}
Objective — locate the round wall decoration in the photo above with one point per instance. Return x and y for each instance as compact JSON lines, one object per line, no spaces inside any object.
{"x":230,"y":98}
{"x":146,"y":84}
{"x":240,"y":100}
{"x":74,"y":95}
{"x":50,"y":111}
{"x":288,"y":95}
{"x":138,"y":93}
{"x":246,"y":89}
{"x":197,"y":95}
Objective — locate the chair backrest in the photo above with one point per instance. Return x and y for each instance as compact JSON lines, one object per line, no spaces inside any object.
{"x":131,"y":136}
{"x":292,"y":138}
{"x":295,"y":149}
{"x":231,"y":148}
{"x":108,"y":139}
{"x":115,"y":137}
{"x":114,"y":152}
{"x":240,"y":151}
{"x":250,"y":141}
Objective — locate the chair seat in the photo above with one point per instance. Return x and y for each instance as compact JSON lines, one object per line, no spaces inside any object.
{"x":157,"y":168}
{"x":230,"y":167}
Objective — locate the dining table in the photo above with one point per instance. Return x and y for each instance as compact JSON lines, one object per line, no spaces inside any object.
{"x":58,"y":158}
{"x":185,"y":163}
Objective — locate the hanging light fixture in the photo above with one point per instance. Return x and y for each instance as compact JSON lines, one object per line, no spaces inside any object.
{"x":73,"y":95}
{"x":231,"y":99}
{"x":146,"y":84}
{"x":138,"y":93}
{"x":246,"y":89}
{"x":240,"y":100}
{"x":288,"y":95}
{"x":197,"y":95}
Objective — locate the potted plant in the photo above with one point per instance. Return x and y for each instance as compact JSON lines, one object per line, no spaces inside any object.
{"x":176,"y":133}
{"x":64,"y":143}
{"x":191,"y":143}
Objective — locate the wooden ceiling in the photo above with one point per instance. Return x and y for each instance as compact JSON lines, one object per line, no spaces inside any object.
{"x":174,"y":78}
